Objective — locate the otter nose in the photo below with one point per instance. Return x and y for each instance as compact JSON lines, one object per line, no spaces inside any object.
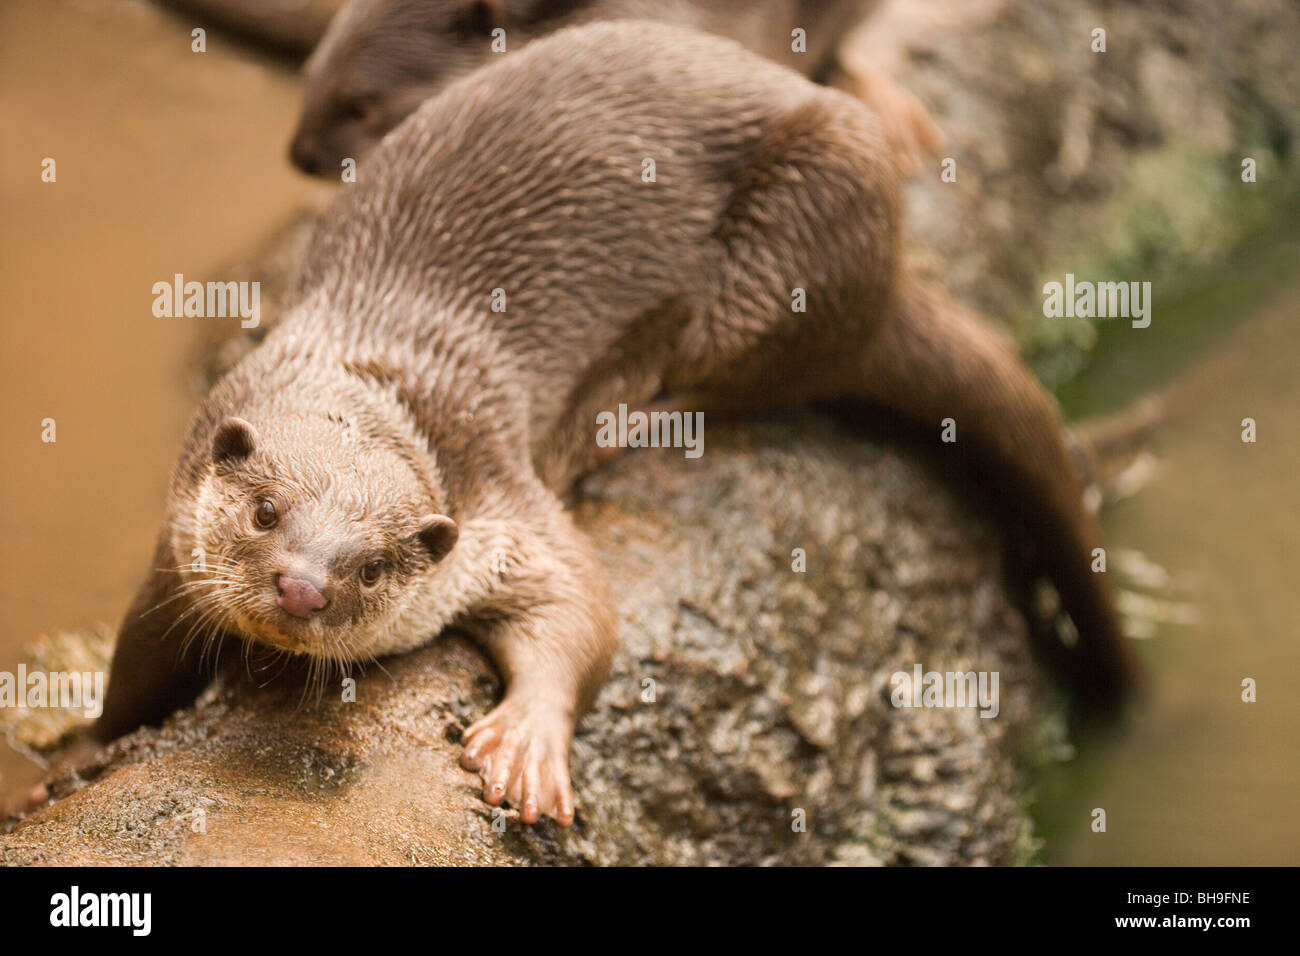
{"x":303,"y":154}
{"x":300,"y":598}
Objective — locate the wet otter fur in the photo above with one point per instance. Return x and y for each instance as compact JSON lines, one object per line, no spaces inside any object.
{"x":391,"y":460}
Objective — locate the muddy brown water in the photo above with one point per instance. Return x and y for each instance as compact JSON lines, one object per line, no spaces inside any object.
{"x":167,"y":161}
{"x":171,"y":161}
{"x":1202,"y":777}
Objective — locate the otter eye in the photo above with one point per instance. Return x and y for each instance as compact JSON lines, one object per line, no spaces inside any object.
{"x":371,"y":573}
{"x":264,"y":514}
{"x":354,"y":110}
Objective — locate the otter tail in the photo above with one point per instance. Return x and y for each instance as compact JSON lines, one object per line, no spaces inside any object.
{"x":933,"y":361}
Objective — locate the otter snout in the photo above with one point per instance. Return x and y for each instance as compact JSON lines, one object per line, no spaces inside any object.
{"x":304,"y":152}
{"x":299,"y":597}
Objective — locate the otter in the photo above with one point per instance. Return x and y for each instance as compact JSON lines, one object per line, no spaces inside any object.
{"x":393,"y":459}
{"x":380,"y":59}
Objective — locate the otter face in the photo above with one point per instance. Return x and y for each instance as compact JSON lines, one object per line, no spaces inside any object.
{"x":311,"y":537}
{"x":379,"y":60}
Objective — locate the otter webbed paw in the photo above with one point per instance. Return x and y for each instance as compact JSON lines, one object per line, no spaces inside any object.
{"x":521,"y":751}
{"x":23,"y":802}
{"x":80,"y":755}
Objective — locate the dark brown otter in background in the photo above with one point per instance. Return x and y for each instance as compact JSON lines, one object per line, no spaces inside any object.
{"x":381,"y":58}
{"x":391,"y":460}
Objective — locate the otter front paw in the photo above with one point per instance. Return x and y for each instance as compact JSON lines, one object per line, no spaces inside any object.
{"x":22,"y":802}
{"x":522,"y":754}
{"x":81,"y":754}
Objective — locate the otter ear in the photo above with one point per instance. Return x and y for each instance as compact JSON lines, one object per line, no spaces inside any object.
{"x":438,"y":534}
{"x":235,"y":439}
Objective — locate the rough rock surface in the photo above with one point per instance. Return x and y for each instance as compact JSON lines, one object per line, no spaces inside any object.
{"x":770,"y":697}
{"x":1116,"y":165}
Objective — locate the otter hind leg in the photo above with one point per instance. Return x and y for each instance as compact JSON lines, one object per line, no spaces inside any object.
{"x":805,"y":252}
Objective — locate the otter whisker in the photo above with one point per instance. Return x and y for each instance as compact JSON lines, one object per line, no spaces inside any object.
{"x":187,"y":588}
{"x":201,"y":628}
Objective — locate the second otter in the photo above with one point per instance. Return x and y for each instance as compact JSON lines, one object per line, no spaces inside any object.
{"x":390,"y":461}
{"x":380,"y":59}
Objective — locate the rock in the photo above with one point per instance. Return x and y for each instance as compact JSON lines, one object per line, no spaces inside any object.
{"x":1122,"y":165}
{"x":747,"y":720}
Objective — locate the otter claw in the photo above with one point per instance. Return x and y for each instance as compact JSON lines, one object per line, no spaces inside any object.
{"x":523,"y":760}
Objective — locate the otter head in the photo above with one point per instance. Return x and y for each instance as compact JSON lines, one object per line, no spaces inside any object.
{"x":315,"y":539}
{"x":380,"y":59}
